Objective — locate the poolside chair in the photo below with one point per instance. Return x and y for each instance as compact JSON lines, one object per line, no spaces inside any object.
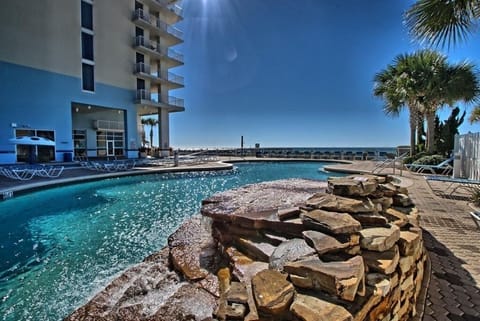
{"x":455,"y":183}
{"x":18,"y":174}
{"x":49,"y":171}
{"x":443,"y":168}
{"x":476,"y":218}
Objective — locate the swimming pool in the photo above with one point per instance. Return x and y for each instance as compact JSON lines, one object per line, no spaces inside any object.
{"x":59,"y":246}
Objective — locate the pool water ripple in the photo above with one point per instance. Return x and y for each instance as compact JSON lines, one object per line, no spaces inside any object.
{"x":60,"y":246}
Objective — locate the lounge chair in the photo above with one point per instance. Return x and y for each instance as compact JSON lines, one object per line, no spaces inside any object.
{"x":476,"y":218}
{"x":455,"y":183}
{"x":443,"y":168}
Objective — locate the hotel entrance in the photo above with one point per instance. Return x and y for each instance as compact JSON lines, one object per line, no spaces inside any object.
{"x":98,"y":131}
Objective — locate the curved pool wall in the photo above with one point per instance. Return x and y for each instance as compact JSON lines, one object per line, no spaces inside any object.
{"x":61,"y":245}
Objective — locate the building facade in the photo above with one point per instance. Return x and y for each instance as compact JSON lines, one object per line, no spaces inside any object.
{"x":83,"y":73}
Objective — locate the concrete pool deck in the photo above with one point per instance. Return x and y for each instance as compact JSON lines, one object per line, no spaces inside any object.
{"x":450,"y":234}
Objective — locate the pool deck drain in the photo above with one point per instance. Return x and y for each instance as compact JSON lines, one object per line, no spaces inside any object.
{"x":450,"y":234}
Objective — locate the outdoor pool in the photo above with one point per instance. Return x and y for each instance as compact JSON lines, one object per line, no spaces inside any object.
{"x":58,"y":247}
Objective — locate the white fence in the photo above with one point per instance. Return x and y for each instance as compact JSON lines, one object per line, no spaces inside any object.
{"x":467,"y":156}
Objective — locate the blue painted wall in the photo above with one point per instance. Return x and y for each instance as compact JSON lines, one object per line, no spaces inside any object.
{"x":42,"y":100}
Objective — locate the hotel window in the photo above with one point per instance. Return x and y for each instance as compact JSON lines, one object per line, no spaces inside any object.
{"x":87,"y":46}
{"x":88,"y":82}
{"x":87,"y":15}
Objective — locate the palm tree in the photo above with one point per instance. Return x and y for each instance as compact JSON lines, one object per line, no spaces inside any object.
{"x":441,"y":22}
{"x":397,"y":86}
{"x":150,"y":122}
{"x":475,"y":115}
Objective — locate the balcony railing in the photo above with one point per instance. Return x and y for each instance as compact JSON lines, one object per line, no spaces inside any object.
{"x":140,"y":14}
{"x":155,"y":46}
{"x":169,"y":29}
{"x":141,"y":67}
{"x":176,"y":9}
{"x":143,"y":94}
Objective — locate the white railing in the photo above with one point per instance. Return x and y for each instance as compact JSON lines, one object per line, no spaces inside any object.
{"x":141,"y":41}
{"x":141,"y":67}
{"x":466,"y":163}
{"x":175,"y":101}
{"x":140,"y":14}
{"x":169,"y":29}
{"x":143,"y":94}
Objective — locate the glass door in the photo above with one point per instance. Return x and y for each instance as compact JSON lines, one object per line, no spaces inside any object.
{"x":110,"y":148}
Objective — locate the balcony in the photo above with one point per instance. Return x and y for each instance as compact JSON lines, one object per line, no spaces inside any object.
{"x":157,"y":27}
{"x":173,"y":81}
{"x":154,"y":49}
{"x":145,"y":97}
{"x":169,"y":8}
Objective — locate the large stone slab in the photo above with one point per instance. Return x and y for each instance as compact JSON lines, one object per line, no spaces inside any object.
{"x":383,"y":262}
{"x":379,"y":238}
{"x":341,"y":279}
{"x":330,"y":222}
{"x":193,"y":250}
{"x":409,"y":243}
{"x":336,"y":203}
{"x":323,"y":243}
{"x":352,"y":185}
{"x":309,"y":308}
{"x":273,"y":293}
{"x":255,"y":248}
{"x":290,"y":251}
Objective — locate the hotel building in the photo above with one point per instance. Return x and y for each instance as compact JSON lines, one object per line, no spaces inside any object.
{"x":83,"y":73}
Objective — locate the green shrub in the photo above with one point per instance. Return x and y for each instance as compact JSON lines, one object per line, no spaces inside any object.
{"x":429,"y":160}
{"x":411,"y":159}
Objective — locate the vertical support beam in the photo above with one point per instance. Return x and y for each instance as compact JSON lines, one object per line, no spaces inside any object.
{"x":164,"y":132}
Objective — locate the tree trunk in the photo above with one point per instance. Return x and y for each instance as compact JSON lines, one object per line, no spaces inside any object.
{"x":413,"y":127}
{"x":430,"y":132}
{"x":151,"y":136}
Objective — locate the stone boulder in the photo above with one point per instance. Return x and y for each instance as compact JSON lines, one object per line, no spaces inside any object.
{"x":341,"y":279}
{"x":323,"y":243}
{"x":352,"y":186}
{"x":290,"y":251}
{"x":309,"y":308}
{"x":379,"y":238}
{"x":329,"y":202}
{"x":330,"y":222}
{"x":273,"y":293}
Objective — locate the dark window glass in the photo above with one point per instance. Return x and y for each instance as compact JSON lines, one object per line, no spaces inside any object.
{"x":87,"y":15}
{"x":140,"y":84}
{"x":138,"y":31}
{"x":138,"y":5}
{"x":87,"y":46}
{"x":87,"y":77}
{"x":140,"y":57}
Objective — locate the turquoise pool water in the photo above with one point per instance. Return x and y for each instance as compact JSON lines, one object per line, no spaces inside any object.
{"x":59,"y":246}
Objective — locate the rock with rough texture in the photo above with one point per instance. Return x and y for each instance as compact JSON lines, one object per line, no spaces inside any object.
{"x":288,"y":213}
{"x":237,"y":293}
{"x":383,"y":262}
{"x":371,"y":219}
{"x":402,"y":200}
{"x":256,"y":248}
{"x":193,"y":250}
{"x":330,"y":222}
{"x":352,"y":185}
{"x":290,"y":251}
{"x":336,"y":203}
{"x":309,"y":308}
{"x":379,"y":238}
{"x":323,"y":243}
{"x":273,"y":293}
{"x":409,"y":243}
{"x":342,"y":279}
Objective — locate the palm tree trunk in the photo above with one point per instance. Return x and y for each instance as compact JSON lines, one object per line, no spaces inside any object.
{"x":151,"y":136}
{"x":430,"y":132}
{"x":413,"y":128}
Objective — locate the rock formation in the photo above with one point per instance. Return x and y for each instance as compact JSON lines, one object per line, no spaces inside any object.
{"x":348,"y":249}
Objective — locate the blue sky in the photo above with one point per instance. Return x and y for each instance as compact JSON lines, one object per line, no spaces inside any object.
{"x":292,"y":73}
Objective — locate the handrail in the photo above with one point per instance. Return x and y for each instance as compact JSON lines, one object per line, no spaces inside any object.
{"x":393,"y":162}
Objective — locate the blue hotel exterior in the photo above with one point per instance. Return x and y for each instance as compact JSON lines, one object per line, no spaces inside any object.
{"x":104,"y":66}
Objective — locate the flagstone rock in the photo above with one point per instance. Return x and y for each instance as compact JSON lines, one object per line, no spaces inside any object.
{"x":352,"y":186}
{"x":323,"y":243}
{"x":341,"y":279}
{"x":383,"y":262}
{"x":237,"y":293}
{"x":273,"y":293}
{"x":379,"y":238}
{"x":288,"y":213}
{"x":371,"y":219}
{"x":290,"y":251}
{"x":255,"y":248}
{"x":409,"y":243}
{"x":336,"y":203}
{"x":330,"y":222}
{"x":309,"y":308}
{"x":402,"y":200}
